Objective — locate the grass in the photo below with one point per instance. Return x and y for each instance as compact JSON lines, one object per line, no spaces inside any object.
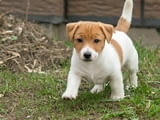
{"x":33,"y":96}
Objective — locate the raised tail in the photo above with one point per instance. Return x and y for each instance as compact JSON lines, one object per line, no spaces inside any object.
{"x":125,"y":20}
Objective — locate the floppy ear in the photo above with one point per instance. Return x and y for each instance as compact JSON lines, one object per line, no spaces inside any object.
{"x":71,"y":29}
{"x":107,"y":30}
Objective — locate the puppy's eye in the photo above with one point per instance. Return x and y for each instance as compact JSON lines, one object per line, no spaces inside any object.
{"x":96,"y":41}
{"x":79,"y":40}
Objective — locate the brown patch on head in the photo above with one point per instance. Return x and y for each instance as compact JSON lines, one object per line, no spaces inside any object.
{"x":118,"y":49}
{"x":92,"y":34}
{"x":71,"y":29}
{"x":123,"y":25}
{"x":107,"y":31}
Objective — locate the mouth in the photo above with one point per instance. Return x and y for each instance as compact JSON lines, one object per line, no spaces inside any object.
{"x":87,"y":60}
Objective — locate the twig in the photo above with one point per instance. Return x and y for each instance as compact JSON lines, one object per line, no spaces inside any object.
{"x":27,"y":10}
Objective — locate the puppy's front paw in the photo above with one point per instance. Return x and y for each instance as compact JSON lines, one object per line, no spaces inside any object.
{"x":69,"y":95}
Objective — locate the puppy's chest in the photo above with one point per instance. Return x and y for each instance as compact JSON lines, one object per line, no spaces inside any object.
{"x":96,"y":74}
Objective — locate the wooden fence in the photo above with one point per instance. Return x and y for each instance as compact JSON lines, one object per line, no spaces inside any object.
{"x":146,"y":12}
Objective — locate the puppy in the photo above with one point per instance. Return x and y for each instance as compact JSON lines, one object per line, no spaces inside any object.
{"x":100,"y":51}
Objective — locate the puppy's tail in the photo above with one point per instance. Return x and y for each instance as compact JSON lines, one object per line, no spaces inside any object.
{"x":125,"y":20}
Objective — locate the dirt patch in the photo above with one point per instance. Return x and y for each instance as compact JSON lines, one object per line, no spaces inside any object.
{"x":25,"y":48}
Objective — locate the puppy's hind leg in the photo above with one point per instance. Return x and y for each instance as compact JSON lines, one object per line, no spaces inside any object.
{"x":133,"y":69}
{"x":97,"y":88}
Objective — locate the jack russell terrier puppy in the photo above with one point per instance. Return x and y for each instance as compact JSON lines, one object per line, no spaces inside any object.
{"x":100,"y":51}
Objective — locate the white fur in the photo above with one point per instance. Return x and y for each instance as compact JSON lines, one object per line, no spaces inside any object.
{"x":97,"y":88}
{"x":107,"y":64}
{"x":104,"y":65}
{"x":94,"y":54}
{"x":127,"y":10}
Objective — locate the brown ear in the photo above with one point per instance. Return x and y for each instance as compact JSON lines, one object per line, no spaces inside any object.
{"x":71,"y":28}
{"x":107,"y":29}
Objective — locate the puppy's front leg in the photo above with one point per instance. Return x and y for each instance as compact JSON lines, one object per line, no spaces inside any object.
{"x":73,"y":84}
{"x":117,"y":87}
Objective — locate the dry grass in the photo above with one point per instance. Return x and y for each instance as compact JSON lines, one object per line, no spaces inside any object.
{"x":25,"y":47}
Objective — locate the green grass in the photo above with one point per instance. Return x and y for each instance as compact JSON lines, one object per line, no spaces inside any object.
{"x":34,"y":96}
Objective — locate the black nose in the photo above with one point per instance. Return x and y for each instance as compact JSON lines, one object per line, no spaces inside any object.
{"x":87,"y":55}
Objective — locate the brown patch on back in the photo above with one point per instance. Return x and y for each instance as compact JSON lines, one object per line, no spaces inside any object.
{"x":123,"y":25}
{"x":118,"y":49}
